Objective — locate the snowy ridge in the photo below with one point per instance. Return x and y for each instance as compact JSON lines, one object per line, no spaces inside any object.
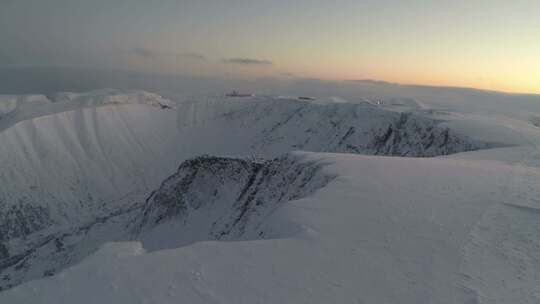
{"x":10,"y":102}
{"x":208,"y":198}
{"x":350,"y":240}
{"x":69,"y":169}
{"x":324,"y":126}
{"x":224,"y":198}
{"x":63,"y":172}
{"x":14,"y":109}
{"x":111,"y":96}
{"x":83,"y":175}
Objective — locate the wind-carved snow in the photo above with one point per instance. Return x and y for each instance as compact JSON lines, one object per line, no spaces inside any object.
{"x":501,"y":261}
{"x":80,"y":178}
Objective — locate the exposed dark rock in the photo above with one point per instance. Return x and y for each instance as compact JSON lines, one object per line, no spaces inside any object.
{"x":246,"y":191}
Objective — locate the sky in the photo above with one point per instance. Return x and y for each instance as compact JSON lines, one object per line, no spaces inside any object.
{"x":483,"y":44}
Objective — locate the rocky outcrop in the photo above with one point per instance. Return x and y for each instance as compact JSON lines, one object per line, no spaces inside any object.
{"x":414,"y":136}
{"x":237,"y":193}
{"x":351,"y":128}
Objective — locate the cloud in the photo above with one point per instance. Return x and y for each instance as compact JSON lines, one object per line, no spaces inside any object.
{"x":371,"y":82}
{"x":152,"y":54}
{"x":287,"y":74}
{"x":247,"y":61}
{"x":145,"y":53}
{"x":194,"y":56}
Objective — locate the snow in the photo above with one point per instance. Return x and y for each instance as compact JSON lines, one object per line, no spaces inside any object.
{"x":7,"y":105}
{"x":10,"y":103}
{"x":34,"y":106}
{"x":221,"y":198}
{"x":374,"y":237}
{"x":461,"y":228}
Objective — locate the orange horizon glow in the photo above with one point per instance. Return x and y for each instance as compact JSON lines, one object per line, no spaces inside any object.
{"x":489,"y":45}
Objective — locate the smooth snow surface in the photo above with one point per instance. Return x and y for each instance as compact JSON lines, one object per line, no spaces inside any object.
{"x":460,"y":228}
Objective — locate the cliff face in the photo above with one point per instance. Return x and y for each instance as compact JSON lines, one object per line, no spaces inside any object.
{"x":270,"y":127}
{"x":222,"y":198}
{"x":76,"y":169}
{"x":235,"y":195}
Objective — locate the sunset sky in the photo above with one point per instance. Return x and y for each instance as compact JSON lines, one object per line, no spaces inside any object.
{"x":484,"y":44}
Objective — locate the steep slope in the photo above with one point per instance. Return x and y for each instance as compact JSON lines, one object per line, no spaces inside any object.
{"x":63,"y":172}
{"x":75,"y":169}
{"x":215,"y":198}
{"x":16,"y":108}
{"x":273,"y":126}
{"x":375,"y":234}
{"x":209,"y":198}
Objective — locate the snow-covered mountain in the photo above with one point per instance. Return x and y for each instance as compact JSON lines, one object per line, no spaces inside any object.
{"x":215,"y":198}
{"x":81,"y":170}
